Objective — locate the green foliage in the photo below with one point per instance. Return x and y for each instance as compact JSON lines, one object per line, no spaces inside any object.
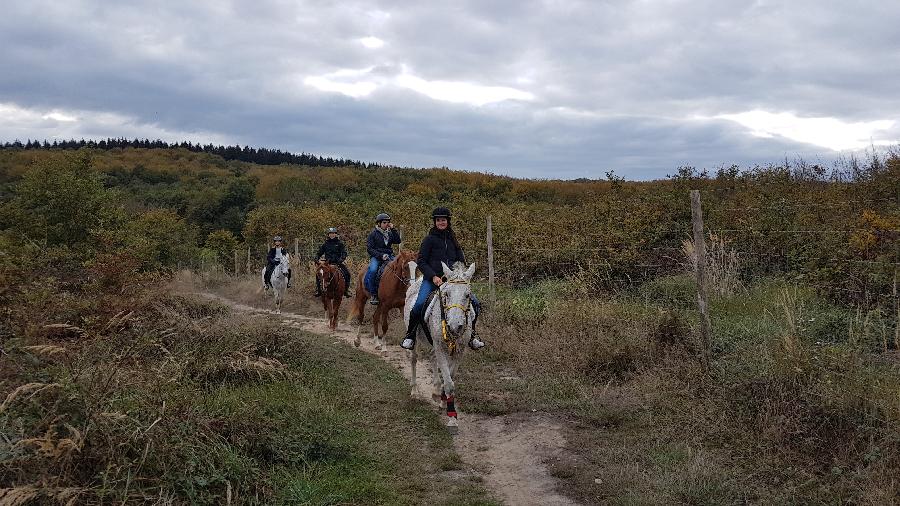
{"x":161,"y":239}
{"x":60,"y":201}
{"x":223,"y":244}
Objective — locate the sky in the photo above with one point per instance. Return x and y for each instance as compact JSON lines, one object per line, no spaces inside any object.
{"x":529,"y":88}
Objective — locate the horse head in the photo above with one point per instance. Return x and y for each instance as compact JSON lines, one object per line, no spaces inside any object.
{"x":404,"y":257}
{"x":327,"y":273}
{"x":456,"y":296}
{"x":283,"y":266}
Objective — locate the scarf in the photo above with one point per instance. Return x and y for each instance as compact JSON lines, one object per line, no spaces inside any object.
{"x":386,"y":234}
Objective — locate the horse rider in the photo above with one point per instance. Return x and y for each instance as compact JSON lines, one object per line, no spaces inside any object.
{"x":335,"y":253}
{"x":440,"y":245}
{"x":273,"y":258}
{"x":378,"y":246}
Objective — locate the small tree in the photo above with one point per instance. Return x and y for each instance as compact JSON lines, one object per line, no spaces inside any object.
{"x":223,"y":244}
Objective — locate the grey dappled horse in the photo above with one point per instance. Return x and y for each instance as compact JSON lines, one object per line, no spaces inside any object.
{"x":279,"y":280}
{"x":449,"y":318}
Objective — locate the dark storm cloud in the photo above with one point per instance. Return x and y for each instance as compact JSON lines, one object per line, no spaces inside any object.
{"x":631,"y":86}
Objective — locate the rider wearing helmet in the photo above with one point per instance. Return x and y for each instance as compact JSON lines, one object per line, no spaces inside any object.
{"x":440,"y":245}
{"x":273,"y":258}
{"x":334,"y":252}
{"x":378,"y":246}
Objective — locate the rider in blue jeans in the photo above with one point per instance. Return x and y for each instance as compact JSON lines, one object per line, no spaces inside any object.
{"x":440,"y":245}
{"x":379,"y":246}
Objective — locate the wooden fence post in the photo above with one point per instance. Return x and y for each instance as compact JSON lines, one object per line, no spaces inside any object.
{"x":296,"y":247}
{"x":490,"y":258}
{"x":249,"y":263}
{"x":700,"y":252}
{"x":237,"y":262}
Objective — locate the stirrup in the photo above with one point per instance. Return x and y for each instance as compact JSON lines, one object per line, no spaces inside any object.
{"x":373,"y":301}
{"x":408,"y":344}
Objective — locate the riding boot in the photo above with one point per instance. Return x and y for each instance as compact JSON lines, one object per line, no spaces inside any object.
{"x":318,"y":287}
{"x":474,"y":342}
{"x":409,"y":342}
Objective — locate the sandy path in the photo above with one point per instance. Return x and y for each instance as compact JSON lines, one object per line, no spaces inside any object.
{"x":508,"y":452}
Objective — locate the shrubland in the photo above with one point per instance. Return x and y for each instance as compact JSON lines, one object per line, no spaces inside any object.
{"x":595,"y":321}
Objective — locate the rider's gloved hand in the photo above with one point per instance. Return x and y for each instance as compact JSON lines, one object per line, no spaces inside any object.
{"x":385,"y":256}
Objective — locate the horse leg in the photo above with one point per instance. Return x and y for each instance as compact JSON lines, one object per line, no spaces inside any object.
{"x":335,"y":307}
{"x":384,"y":327}
{"x":375,"y":336}
{"x":449,"y":389}
{"x":412,"y":369}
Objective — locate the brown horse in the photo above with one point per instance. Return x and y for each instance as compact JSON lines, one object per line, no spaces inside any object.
{"x":391,"y":295}
{"x":333,"y":288}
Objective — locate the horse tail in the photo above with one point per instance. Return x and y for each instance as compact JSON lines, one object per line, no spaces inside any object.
{"x":354,"y":309}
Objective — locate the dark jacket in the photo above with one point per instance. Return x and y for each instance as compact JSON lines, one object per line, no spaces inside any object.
{"x":375,"y":244}
{"x":333,"y":250}
{"x":270,"y":258}
{"x":438,"y":247}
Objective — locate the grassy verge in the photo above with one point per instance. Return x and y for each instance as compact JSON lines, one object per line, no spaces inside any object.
{"x":186,"y":403}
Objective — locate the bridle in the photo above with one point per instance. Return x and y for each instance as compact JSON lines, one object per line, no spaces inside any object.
{"x":445,"y":332}
{"x":399,"y":266}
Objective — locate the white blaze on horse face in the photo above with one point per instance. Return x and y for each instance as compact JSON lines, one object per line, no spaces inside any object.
{"x":456,"y":297}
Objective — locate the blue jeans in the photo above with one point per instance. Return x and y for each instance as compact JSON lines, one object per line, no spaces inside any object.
{"x":369,"y":279}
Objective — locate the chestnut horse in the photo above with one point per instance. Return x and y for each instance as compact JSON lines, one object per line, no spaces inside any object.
{"x":391,"y":295}
{"x":333,"y":288}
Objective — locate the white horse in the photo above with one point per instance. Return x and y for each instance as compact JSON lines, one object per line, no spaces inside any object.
{"x":279,"y":280}
{"x":449,"y":318}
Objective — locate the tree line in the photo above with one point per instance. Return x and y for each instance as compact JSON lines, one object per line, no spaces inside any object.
{"x":262,"y":156}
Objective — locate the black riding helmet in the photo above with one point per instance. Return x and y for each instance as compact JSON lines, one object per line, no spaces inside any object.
{"x":441,"y":212}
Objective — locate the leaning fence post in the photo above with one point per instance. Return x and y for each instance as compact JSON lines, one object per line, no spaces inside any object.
{"x":700,"y":251}
{"x":490,"y":258}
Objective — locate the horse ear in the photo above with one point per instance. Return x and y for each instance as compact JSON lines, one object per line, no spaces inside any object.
{"x":447,"y":270}
{"x":470,"y":272}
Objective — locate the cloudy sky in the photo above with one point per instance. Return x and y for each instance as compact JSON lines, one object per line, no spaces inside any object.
{"x":541,"y":88}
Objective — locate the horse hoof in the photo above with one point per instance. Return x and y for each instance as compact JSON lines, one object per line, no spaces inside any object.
{"x":452,"y":425}
{"x":356,"y":342}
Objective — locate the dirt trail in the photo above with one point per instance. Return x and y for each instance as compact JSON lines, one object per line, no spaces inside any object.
{"x":508,"y":452}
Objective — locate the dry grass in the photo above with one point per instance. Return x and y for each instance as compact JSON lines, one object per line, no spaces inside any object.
{"x":794,"y":410}
{"x":722,"y":264}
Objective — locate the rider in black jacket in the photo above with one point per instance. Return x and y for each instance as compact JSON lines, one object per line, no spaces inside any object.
{"x":273,"y":257}
{"x":335,"y":253}
{"x":440,"y":245}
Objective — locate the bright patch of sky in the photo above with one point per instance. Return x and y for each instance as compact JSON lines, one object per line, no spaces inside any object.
{"x":371,"y":42}
{"x":361,"y":83}
{"x":830,"y":133}
{"x":59,"y":124}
